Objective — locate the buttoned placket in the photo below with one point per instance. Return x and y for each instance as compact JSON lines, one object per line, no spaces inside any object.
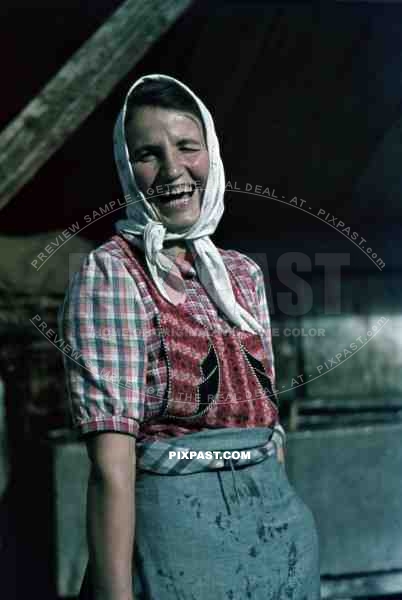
{"x":188,"y":271}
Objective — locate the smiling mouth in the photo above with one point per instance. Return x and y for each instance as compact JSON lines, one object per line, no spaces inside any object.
{"x":177,"y":196}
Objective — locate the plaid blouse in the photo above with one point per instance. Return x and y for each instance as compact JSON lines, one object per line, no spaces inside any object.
{"x":117,"y":358}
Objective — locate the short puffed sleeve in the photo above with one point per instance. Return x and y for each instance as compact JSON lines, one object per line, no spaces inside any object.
{"x":102,"y":324}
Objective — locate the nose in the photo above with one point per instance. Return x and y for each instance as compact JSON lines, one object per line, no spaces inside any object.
{"x":171,"y":165}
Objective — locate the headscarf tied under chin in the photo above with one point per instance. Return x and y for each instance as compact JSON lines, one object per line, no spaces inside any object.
{"x":149,"y":234}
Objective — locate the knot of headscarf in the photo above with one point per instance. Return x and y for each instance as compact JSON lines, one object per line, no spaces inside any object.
{"x":148,"y":233}
{"x":154,"y":234}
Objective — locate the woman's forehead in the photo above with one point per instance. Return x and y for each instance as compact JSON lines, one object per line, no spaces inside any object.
{"x":150,"y":123}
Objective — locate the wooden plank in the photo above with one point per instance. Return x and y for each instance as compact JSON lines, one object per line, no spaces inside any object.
{"x":81,"y":84}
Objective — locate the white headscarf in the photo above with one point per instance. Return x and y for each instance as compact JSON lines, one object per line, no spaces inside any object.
{"x":143,"y":222}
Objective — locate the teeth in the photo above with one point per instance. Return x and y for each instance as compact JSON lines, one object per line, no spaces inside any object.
{"x":186,"y":188}
{"x":179,"y":202}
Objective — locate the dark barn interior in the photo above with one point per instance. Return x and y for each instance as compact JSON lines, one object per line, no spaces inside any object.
{"x":307,"y":101}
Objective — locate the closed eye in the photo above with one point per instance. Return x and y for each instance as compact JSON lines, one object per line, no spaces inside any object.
{"x":144,"y":156}
{"x":187,"y":148}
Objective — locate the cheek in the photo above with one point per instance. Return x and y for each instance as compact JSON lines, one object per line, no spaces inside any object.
{"x":200,"y":166}
{"x":144,"y":175}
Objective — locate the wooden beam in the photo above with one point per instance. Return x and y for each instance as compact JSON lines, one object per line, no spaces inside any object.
{"x":80,"y":85}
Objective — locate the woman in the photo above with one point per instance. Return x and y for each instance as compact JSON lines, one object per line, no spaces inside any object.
{"x":176,"y":353}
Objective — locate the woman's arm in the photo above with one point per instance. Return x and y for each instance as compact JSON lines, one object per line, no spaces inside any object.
{"x":103,"y":320}
{"x":281,"y":454}
{"x":111,"y":514}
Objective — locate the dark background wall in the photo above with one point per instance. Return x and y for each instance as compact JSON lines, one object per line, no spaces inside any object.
{"x":306,"y":98}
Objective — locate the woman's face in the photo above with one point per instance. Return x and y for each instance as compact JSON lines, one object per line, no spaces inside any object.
{"x":167,"y":149}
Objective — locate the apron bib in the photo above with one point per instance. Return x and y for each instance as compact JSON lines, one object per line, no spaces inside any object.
{"x":218,"y":375}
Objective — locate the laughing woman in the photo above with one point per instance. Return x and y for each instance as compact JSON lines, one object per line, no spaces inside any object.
{"x":176,"y":379}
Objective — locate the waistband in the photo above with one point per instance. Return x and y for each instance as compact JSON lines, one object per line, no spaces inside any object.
{"x":259,"y":443}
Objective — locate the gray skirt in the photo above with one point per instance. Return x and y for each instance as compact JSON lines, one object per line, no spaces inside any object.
{"x":228,"y":534}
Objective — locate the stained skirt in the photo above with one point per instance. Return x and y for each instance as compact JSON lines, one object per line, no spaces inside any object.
{"x":227,"y":534}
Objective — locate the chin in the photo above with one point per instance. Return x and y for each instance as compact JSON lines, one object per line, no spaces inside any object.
{"x":180,"y":223}
{"x":180,"y":227}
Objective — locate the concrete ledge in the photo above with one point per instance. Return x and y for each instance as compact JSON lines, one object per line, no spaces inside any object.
{"x":351,"y":479}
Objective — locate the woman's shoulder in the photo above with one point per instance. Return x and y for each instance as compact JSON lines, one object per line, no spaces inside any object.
{"x":111,"y":248}
{"x":239,"y":263}
{"x":113,"y":254}
{"x":104,"y":264}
